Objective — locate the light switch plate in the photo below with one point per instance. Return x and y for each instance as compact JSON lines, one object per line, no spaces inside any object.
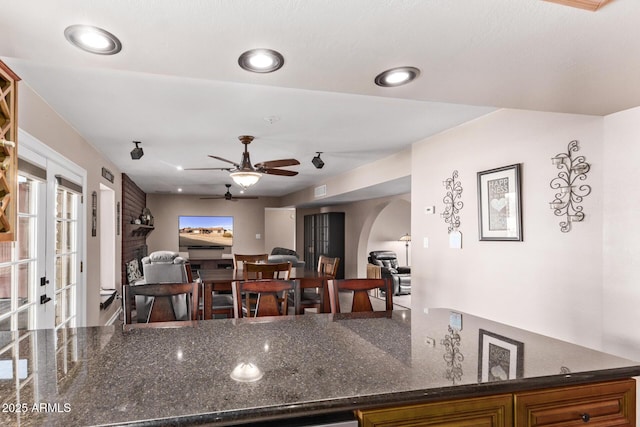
{"x":425,"y":242}
{"x":258,"y":236}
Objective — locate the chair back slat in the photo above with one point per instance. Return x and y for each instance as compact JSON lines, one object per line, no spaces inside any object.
{"x":328,"y":266}
{"x":162,"y":308}
{"x":254,"y":271}
{"x":269,"y":294}
{"x":360,"y":289}
{"x":240,"y":259}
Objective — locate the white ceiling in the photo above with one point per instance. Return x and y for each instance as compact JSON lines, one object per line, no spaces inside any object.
{"x":176,"y":85}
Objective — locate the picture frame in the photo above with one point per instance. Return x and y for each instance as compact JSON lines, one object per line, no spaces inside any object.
{"x":499,"y":358}
{"x":500,"y":204}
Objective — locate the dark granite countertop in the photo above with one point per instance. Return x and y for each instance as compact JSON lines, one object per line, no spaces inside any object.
{"x":311,"y":364}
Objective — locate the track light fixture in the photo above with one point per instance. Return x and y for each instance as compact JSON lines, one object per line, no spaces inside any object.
{"x":137,"y":152}
{"x":317,"y":161}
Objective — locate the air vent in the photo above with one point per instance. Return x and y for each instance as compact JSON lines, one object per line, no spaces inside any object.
{"x":320,"y":191}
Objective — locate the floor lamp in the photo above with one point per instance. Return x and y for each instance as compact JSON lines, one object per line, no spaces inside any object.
{"x":406,"y":239}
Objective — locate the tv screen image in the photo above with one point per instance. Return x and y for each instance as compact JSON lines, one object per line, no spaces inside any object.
{"x":205,"y":231}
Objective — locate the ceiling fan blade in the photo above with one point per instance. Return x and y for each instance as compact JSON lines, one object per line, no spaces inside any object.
{"x":224,"y":160}
{"x":208,"y":169}
{"x":212,"y":197}
{"x":277,"y":163}
{"x":282,"y":172}
{"x":244,"y":197}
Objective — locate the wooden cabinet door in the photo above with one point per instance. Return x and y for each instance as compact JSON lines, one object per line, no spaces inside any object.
{"x":605,"y":404}
{"x":8,"y":152}
{"x":490,"y":411}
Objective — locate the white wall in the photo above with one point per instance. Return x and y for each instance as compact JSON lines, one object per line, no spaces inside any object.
{"x":248,"y":220}
{"x":551,"y":282}
{"x":279,"y":228}
{"x":38,"y":119}
{"x":393,"y":222}
{"x":621,"y":284}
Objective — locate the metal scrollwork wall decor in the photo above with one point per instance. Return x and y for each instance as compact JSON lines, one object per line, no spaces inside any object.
{"x":570,"y":193}
{"x":94,"y":214}
{"x":452,"y":356}
{"x":452,"y":202}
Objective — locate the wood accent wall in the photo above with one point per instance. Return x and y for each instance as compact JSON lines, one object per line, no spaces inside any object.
{"x":134,"y":246}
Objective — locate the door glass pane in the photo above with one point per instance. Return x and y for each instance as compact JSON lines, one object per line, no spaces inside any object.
{"x":25,"y":291}
{"x":59,"y":236}
{"x":26,"y":244}
{"x":59,"y":308}
{"x":69,"y":238}
{"x":69,"y":208}
{"x":24,"y":316}
{"x":5,"y":290}
{"x":59,"y":271}
{"x":71,"y":270}
{"x":5,"y":252}
{"x":69,"y":302}
{"x":59,"y":202}
{"x":25,"y":204}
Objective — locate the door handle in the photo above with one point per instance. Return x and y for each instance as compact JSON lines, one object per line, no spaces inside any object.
{"x":44,"y":299}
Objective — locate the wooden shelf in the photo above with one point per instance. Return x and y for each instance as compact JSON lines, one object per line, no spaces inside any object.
{"x":140,"y":229}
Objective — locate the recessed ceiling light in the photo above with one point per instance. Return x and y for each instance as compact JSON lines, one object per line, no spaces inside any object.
{"x":261,"y":60}
{"x":397,"y":76}
{"x":93,"y":39}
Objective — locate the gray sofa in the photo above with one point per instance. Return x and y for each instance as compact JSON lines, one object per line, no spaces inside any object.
{"x":285,"y":255}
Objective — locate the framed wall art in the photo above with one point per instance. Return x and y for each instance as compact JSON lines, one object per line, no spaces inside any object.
{"x":499,"y":358}
{"x":500,"y":204}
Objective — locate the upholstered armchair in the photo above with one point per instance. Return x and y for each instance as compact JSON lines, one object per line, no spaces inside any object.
{"x":388,"y":263}
{"x":163,"y":267}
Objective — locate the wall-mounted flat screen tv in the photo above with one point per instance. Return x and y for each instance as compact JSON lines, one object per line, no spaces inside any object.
{"x":205,"y":232}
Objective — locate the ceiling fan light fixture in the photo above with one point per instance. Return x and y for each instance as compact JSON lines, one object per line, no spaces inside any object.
{"x":397,"y":76}
{"x":93,"y":39}
{"x":261,"y":60}
{"x":245,"y":179}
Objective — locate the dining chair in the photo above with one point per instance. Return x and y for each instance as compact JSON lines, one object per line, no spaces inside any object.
{"x":312,"y":290}
{"x":268,"y":294}
{"x":240,"y":259}
{"x":360,"y":290}
{"x":259,"y":270}
{"x":221,"y":303}
{"x":162,"y":308}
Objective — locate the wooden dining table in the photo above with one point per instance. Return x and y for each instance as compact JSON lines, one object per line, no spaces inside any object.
{"x":219,"y":280}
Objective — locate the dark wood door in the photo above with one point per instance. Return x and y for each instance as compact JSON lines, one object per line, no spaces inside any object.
{"x":324,"y":235}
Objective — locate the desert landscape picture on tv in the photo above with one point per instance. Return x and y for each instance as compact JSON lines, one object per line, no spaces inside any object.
{"x":205,"y":231}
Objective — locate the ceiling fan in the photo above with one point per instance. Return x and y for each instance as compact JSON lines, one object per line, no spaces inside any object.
{"x":228,"y":196}
{"x":246,"y":174}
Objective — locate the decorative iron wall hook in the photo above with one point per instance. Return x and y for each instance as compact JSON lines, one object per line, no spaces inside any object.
{"x":570,"y":193}
{"x":452,"y":202}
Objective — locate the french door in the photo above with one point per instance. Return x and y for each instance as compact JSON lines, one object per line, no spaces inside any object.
{"x":41,"y":278}
{"x":60,"y":305}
